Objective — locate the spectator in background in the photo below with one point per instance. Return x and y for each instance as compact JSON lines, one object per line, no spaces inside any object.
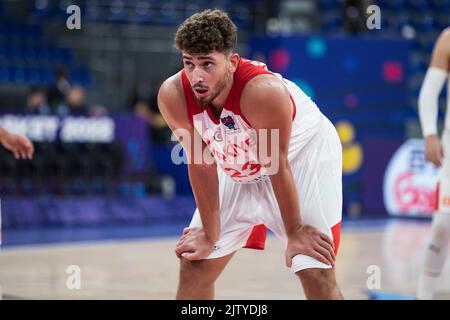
{"x":37,"y":101}
{"x":98,"y":110}
{"x":56,"y":93}
{"x":74,"y":103}
{"x":354,"y":15}
{"x":147,"y":109}
{"x":160,"y":130}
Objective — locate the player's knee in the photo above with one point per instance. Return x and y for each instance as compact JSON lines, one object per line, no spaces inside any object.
{"x":194,"y":272}
{"x":319,"y":277}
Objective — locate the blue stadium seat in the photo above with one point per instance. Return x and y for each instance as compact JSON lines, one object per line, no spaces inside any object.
{"x":117,"y":12}
{"x":442,"y":5}
{"x":171,"y":13}
{"x":33,"y":76}
{"x":331,"y":23}
{"x":80,"y":76}
{"x":143,"y":12}
{"x":403,"y":21}
{"x":241,"y":15}
{"x":15,"y":53}
{"x":4,"y":74}
{"x":397,"y":5}
{"x":329,"y":5}
{"x":418,"y":5}
{"x":418,"y":66}
{"x":43,"y":54}
{"x":426,"y":23}
{"x":92,"y":12}
{"x":31,"y":32}
{"x":29,"y":54}
{"x":194,"y":6}
{"x":3,"y":52}
{"x":47,"y":76}
{"x":17,"y":75}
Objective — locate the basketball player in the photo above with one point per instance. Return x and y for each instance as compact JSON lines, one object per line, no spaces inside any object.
{"x":438,"y":153}
{"x":227,"y":102}
{"x":20,"y":146}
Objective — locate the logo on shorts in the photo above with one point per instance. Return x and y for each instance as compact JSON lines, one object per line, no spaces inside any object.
{"x":216,"y":247}
{"x":228,"y":122}
{"x":446,"y":201}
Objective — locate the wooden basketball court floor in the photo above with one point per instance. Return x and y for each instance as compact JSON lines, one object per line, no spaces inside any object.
{"x":148,"y":268}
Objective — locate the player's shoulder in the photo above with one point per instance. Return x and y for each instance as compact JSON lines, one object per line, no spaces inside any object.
{"x":171,"y":88}
{"x":263,"y":87}
{"x":444,"y":38}
{"x":263,"y":97}
{"x":441,"y":50}
{"x":172,"y":103}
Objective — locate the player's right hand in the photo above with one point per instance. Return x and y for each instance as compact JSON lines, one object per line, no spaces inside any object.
{"x":433,"y":150}
{"x":20,"y":146}
{"x":194,"y":244}
{"x":309,"y":241}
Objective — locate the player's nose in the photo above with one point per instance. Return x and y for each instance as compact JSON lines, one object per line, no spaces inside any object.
{"x":197,"y":76}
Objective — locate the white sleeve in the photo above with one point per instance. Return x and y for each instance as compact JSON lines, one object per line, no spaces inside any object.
{"x":429,"y":99}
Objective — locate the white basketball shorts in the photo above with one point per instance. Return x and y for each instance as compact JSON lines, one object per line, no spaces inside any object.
{"x":247,"y":209}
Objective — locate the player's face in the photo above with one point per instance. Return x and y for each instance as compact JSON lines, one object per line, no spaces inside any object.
{"x":208,"y":74}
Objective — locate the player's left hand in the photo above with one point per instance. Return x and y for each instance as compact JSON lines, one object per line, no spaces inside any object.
{"x":309,"y":241}
{"x":194,"y":244}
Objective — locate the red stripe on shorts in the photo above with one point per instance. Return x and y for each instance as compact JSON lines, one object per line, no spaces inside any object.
{"x":257,"y":238}
{"x":336,"y":231}
{"x":436,"y":204}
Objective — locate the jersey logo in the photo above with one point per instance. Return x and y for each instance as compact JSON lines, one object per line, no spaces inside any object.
{"x":228,"y":122}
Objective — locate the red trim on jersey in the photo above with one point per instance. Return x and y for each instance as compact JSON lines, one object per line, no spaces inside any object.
{"x":257,"y":238}
{"x":294,"y":112}
{"x":245,"y":71}
{"x":211,"y":115}
{"x":336,"y":231}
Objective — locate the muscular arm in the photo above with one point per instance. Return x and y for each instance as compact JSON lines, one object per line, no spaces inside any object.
{"x":265,"y":102}
{"x":270,"y":98}
{"x":202,"y":176}
{"x":429,"y":97}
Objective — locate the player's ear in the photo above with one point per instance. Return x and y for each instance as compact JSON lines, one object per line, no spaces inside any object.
{"x":233,"y":62}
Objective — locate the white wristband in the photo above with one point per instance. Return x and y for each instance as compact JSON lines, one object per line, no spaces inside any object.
{"x":429,"y":99}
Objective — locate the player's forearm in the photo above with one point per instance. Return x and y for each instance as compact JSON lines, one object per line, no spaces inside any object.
{"x":286,"y":194}
{"x":205,"y":186}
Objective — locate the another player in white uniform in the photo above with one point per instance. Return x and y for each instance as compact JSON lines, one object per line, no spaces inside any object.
{"x":438,"y":153}
{"x":228,"y":104}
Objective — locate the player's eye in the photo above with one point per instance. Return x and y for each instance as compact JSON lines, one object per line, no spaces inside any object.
{"x":207,"y":65}
{"x":188,"y":64}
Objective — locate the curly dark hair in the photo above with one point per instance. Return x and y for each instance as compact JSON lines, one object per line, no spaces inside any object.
{"x":207,"y":31}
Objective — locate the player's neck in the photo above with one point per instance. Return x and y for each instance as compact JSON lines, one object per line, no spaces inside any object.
{"x":219,"y":102}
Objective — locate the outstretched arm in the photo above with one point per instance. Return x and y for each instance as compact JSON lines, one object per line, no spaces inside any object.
{"x":198,"y":243}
